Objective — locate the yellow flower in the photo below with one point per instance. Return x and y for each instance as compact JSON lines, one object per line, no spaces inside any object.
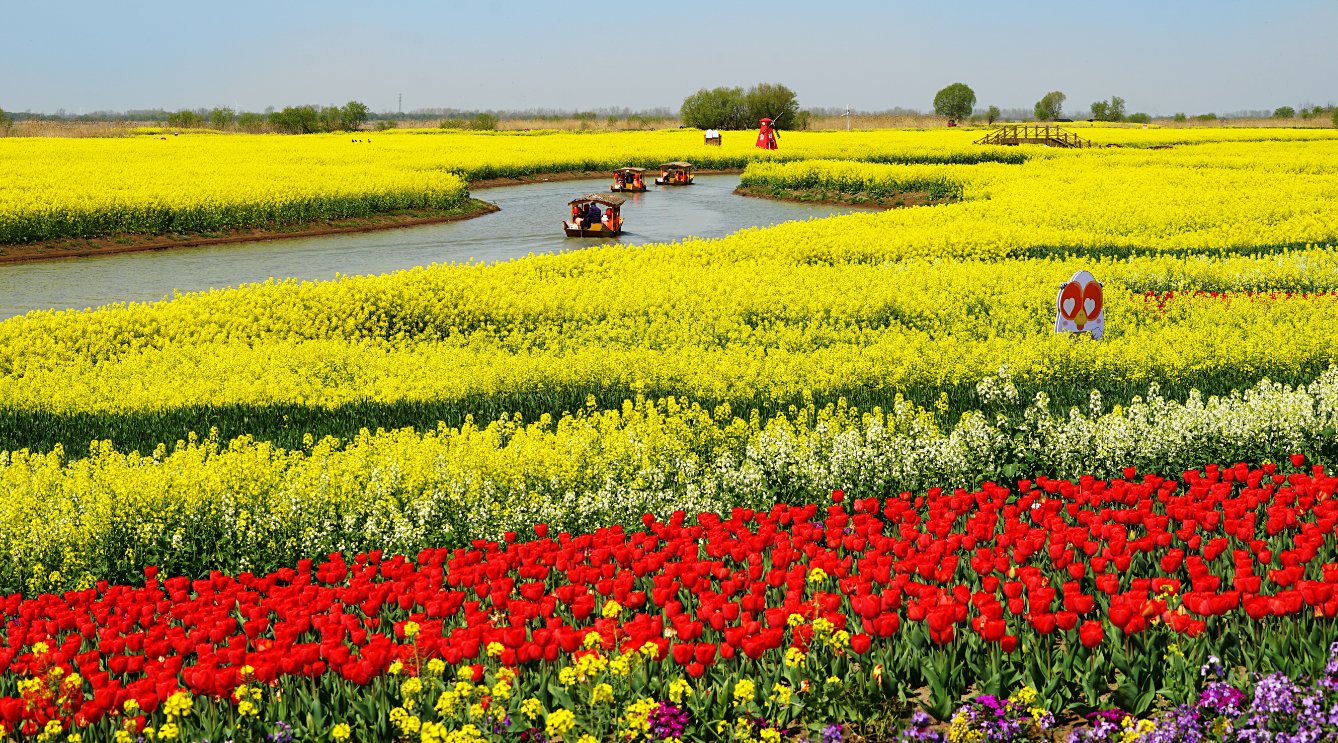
{"x":179,"y":704}
{"x":794,"y":657}
{"x":817,"y":575}
{"x":794,"y":620}
{"x":169,"y":731}
{"x":495,"y":649}
{"x":744,"y":691}
{"x":650,"y":650}
{"x":679,"y":689}
{"x":559,"y":723}
{"x":411,"y":629}
{"x":411,"y":686}
{"x":592,"y":640}
{"x":601,"y":694}
{"x":531,"y":708}
{"x":396,"y":667}
{"x":612,"y":609}
{"x":780,"y":694}
{"x":341,"y":732}
{"x":41,"y":648}
{"x":436,"y":667}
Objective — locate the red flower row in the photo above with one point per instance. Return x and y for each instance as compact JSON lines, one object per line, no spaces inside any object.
{"x":1050,"y":556}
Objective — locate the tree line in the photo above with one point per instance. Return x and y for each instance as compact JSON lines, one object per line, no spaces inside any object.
{"x":735,"y":108}
{"x":291,"y":120}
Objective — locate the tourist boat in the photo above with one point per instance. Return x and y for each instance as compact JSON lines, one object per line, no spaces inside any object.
{"x":675,"y":174}
{"x":629,"y":180}
{"x":610,"y":224}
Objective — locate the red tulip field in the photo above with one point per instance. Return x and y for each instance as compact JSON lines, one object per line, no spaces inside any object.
{"x":1085,"y":595}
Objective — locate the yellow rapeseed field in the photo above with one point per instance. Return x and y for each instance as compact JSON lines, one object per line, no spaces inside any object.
{"x":578,"y":388}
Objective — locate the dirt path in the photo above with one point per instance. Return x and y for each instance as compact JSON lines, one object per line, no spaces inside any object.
{"x":113,"y":244}
{"x":129,"y":243}
{"x":836,"y":198}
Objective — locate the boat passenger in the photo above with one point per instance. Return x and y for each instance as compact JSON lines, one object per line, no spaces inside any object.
{"x":592,"y":214}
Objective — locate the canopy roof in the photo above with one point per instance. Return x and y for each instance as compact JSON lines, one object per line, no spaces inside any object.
{"x":599,"y":198}
{"x":677,"y":165}
{"x":630,"y":170}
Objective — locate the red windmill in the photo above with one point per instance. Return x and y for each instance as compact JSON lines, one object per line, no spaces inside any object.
{"x":766,"y":136}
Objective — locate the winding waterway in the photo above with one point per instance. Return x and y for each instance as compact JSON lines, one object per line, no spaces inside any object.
{"x":529,"y":222}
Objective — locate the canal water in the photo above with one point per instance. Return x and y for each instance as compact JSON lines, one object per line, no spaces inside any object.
{"x":530,"y":221}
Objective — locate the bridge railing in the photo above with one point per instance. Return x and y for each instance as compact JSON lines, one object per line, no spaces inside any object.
{"x":1011,"y":134}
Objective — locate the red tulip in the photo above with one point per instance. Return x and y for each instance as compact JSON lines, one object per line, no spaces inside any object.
{"x":1091,"y":633}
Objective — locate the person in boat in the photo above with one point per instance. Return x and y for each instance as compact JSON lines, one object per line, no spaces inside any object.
{"x":576,"y":213}
{"x":636,"y":181}
{"x":592,"y":214}
{"x":610,"y":221}
{"x":618,"y":180}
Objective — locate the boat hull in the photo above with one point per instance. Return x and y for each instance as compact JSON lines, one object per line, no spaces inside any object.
{"x":596,"y":231}
{"x":661,"y":182}
{"x":625,"y":189}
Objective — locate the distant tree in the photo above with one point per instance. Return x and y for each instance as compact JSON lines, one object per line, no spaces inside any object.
{"x":1206,"y":117}
{"x":1050,"y":106}
{"x":1335,"y":116}
{"x":296,"y":120}
{"x":1112,"y":110}
{"x":329,"y":116}
{"x":1116,"y":110}
{"x":221,"y":117}
{"x":353,"y":115}
{"x":1139,"y":118}
{"x":6,"y":121}
{"x":1284,"y":112}
{"x":483,"y":122}
{"x":955,"y":101}
{"x":251,"y":122}
{"x":772,"y":101}
{"x":1179,"y":117}
{"x":992,"y":115}
{"x":718,"y":108}
{"x":185,"y":119}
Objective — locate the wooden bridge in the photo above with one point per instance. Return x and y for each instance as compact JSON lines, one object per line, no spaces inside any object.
{"x":1051,"y":136}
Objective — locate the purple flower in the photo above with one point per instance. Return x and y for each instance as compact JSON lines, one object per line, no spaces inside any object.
{"x":918,"y":731}
{"x":283,"y":733}
{"x":1221,"y":699}
{"x":667,"y":722}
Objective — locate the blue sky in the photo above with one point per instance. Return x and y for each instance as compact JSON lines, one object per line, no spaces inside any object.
{"x":1161,"y":57}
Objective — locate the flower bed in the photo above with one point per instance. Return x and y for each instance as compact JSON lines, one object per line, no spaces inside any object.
{"x":770,"y":624}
